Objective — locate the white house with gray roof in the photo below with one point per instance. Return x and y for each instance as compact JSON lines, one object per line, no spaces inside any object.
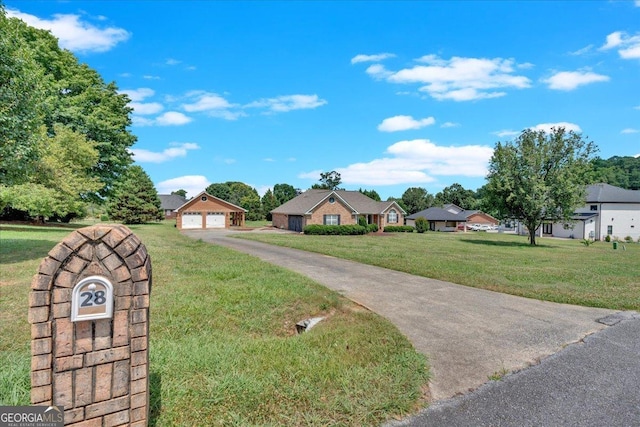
{"x":608,"y":211}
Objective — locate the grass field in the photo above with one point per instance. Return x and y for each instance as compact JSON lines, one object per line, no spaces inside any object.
{"x":559,"y":270}
{"x":223,"y":350}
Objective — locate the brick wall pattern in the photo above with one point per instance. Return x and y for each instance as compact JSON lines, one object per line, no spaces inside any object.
{"x":97,"y":369}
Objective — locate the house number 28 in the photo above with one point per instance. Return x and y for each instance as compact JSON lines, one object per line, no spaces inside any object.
{"x":92,"y":298}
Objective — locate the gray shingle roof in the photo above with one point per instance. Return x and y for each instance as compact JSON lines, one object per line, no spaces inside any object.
{"x":307,"y":201}
{"x":439,"y":214}
{"x":605,"y":193}
{"x":171,"y":201}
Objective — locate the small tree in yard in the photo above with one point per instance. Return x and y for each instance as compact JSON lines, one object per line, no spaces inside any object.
{"x":422,"y":224}
{"x":539,"y":177}
{"x":135,"y":199}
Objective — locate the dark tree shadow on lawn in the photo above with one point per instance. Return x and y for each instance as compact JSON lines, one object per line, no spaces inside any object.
{"x":504,"y":244}
{"x":24,"y":250}
{"x":155,"y":398}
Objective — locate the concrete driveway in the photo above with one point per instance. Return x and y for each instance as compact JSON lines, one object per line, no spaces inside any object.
{"x":468,"y":334}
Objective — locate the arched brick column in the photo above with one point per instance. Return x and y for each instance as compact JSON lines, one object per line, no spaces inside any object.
{"x":97,"y":369}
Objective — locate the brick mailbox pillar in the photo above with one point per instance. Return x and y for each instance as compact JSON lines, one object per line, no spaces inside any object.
{"x":89,"y":315}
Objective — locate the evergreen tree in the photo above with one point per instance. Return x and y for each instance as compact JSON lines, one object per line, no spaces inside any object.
{"x":135,"y":199}
{"x":269,"y":202}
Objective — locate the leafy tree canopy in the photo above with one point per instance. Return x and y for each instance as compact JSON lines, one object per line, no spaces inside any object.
{"x":181,"y":192}
{"x":539,"y":176}
{"x":620,"y":171}
{"x":240,"y":194}
{"x":458,"y":195}
{"x":59,"y":91}
{"x":372,"y":194}
{"x":417,"y":199}
{"x":328,"y":181}
{"x":283,"y":193}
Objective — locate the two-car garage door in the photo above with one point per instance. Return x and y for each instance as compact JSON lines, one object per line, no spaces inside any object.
{"x":192,"y":220}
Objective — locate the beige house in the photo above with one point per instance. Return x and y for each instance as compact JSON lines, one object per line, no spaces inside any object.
{"x":207,"y":211}
{"x":335,"y":207}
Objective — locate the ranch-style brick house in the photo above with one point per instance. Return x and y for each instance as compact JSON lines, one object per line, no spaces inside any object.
{"x":608,"y":211}
{"x":335,"y":207}
{"x":450,"y":216}
{"x":207,"y":211}
{"x":169,"y":203}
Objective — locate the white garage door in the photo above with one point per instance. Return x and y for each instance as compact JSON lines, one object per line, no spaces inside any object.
{"x":215,"y":220}
{"x":191,"y":220}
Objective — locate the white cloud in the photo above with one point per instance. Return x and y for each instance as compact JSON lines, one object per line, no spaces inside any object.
{"x":137,"y":95}
{"x":629,"y":130}
{"x":450,"y":125}
{"x":636,"y":107}
{"x":171,"y":61}
{"x":371,"y":58}
{"x":399,"y":123}
{"x":75,"y":34}
{"x":146,"y":108}
{"x":566,"y":125}
{"x":150,"y":77}
{"x":288,"y":103}
{"x":172,"y":118}
{"x":174,"y":150}
{"x":570,"y":80}
{"x":458,"y":79}
{"x":416,"y":161}
{"x":628,"y":46}
{"x":582,"y":51}
{"x":192,"y":184}
{"x":206,"y":101}
{"x":506,"y":133}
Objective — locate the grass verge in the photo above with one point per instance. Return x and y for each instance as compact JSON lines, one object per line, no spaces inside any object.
{"x":222,"y":344}
{"x":558,"y":270}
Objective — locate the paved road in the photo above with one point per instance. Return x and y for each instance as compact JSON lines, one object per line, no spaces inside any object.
{"x":594,"y":383}
{"x":469,"y":334}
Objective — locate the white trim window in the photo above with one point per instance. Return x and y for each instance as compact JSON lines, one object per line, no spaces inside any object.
{"x":331,"y":219}
{"x":392,"y":217}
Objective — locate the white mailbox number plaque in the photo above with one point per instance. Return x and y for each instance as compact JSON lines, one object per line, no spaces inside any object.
{"x":92,"y":298}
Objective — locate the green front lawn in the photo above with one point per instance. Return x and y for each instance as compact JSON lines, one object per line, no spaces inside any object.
{"x":556,"y":270}
{"x":222,"y":344}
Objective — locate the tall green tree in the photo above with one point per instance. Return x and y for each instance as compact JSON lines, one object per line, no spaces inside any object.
{"x":458,"y":195}
{"x":76,"y":96}
{"x":269,"y":202}
{"x":135,"y":199}
{"x":417,"y":199}
{"x":328,"y":181}
{"x":22,"y":92}
{"x":539,"y":176}
{"x":283,"y":193}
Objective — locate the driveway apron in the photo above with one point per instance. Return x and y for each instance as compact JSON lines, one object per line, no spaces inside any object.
{"x":468,"y":334}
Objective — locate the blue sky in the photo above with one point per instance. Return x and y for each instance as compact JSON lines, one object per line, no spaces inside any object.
{"x":390,"y":94}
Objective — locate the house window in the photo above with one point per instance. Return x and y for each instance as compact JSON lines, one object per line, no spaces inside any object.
{"x":594,"y":207}
{"x":332,"y":200}
{"x":331,"y":219}
{"x":203,"y":198}
{"x":547,"y":228}
{"x":392,"y":217}
{"x":609,"y":230}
